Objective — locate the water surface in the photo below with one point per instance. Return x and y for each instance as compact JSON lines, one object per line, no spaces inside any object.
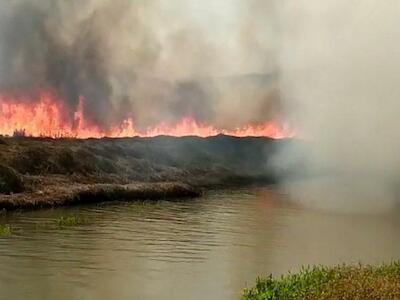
{"x":206,"y":248}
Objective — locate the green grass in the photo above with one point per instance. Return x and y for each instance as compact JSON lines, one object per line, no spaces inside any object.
{"x":339,"y":282}
{"x":67,"y":221}
{"x":5,"y":230}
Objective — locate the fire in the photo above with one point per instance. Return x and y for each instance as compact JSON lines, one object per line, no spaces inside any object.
{"x":45,"y":117}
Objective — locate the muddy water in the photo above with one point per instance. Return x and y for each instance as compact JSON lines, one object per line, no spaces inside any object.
{"x":206,"y":248}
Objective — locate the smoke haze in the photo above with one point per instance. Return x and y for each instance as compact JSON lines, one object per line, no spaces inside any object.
{"x":152,"y":60}
{"x":339,"y":63}
{"x":331,"y":67}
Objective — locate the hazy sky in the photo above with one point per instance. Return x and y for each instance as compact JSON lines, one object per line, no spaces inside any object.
{"x":129,"y":58}
{"x":245,"y":36}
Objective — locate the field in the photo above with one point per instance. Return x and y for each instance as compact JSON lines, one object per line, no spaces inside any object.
{"x":43,"y":172}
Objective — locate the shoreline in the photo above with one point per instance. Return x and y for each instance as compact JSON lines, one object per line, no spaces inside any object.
{"x":77,"y":194}
{"x":41,"y":172}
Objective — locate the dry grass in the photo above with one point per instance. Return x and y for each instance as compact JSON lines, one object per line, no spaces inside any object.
{"x":45,"y":172}
{"x":10,"y":181}
{"x":93,"y":193}
{"x":212,"y":161}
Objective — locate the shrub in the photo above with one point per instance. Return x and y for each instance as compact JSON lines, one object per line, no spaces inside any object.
{"x":10,"y":181}
{"x":34,"y":160}
{"x":340,"y":282}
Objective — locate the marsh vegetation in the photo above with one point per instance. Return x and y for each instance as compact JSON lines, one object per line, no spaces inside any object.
{"x":45,"y":172}
{"x":74,"y":220}
{"x":5,"y":230}
{"x":329,"y":283}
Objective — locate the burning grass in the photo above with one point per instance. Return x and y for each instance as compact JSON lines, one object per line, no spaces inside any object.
{"x":329,"y":283}
{"x":46,"y":117}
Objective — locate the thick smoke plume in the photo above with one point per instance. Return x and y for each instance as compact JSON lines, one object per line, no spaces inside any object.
{"x":339,"y":63}
{"x":152,"y":60}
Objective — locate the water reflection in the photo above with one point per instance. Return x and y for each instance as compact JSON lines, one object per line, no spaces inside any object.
{"x":203,"y":248}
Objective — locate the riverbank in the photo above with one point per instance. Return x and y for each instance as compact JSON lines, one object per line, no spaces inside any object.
{"x":329,"y":283}
{"x":44,"y":172}
{"x":93,"y":193}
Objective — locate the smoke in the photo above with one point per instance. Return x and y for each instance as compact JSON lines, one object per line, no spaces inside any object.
{"x":339,"y":63}
{"x":333,"y":63}
{"x":155,"y":60}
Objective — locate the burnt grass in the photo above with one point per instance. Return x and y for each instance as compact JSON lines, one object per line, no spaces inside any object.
{"x":45,"y":172}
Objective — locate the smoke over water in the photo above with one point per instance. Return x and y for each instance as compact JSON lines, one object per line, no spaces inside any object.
{"x":339,"y":64}
{"x":121,"y":68}
{"x":105,"y":63}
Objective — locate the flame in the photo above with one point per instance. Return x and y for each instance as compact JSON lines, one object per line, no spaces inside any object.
{"x":45,"y":117}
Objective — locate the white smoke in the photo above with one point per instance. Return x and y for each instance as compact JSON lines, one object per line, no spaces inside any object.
{"x":340,"y":62}
{"x":153,"y":60}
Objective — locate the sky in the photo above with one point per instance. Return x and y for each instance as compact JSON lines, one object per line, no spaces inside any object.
{"x":150,"y":60}
{"x":245,"y":37}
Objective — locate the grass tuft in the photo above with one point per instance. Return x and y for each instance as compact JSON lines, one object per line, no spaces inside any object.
{"x":5,"y":230}
{"x":67,"y":221}
{"x":339,"y":282}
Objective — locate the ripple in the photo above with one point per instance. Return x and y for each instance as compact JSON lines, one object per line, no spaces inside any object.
{"x":225,"y":238}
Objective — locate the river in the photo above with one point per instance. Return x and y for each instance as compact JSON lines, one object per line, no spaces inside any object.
{"x":206,"y":248}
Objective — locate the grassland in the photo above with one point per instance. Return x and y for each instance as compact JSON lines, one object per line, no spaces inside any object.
{"x":44,"y":172}
{"x":339,"y":282}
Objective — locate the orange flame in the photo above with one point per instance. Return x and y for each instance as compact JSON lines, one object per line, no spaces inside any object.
{"x":45,"y":117}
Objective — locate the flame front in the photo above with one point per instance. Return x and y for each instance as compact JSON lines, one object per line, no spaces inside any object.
{"x":46,"y":117}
